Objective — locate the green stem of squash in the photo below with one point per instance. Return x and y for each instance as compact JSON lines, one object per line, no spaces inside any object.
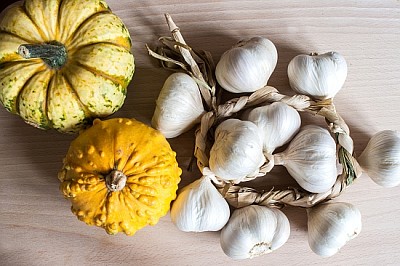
{"x":54,"y":54}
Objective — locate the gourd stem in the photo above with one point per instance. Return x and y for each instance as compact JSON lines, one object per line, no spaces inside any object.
{"x":54,"y":54}
{"x":115,"y":180}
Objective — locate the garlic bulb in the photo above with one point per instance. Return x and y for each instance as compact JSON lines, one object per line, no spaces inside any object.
{"x":278,"y":123}
{"x":247,"y":66}
{"x":331,"y":226}
{"x":178,"y":107}
{"x":253,"y":231}
{"x":310,"y":159}
{"x":381,"y":158}
{"x":321,"y":76}
{"x":237,"y":150}
{"x":200,"y":207}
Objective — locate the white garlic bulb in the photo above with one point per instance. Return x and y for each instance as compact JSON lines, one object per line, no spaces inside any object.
{"x":253,"y":231}
{"x":200,"y":207}
{"x":237,"y":150}
{"x":247,"y":66}
{"x":278,"y":123}
{"x":381,"y":158}
{"x":310,"y":159}
{"x":178,"y":107}
{"x":320,"y":76}
{"x":331,"y":226}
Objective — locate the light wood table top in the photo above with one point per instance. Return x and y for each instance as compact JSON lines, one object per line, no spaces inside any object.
{"x":36,"y":224}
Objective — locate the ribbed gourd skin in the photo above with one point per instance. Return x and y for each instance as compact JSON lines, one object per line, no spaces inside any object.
{"x":93,"y":81}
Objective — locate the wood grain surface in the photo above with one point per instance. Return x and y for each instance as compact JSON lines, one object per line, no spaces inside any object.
{"x":36,"y":224}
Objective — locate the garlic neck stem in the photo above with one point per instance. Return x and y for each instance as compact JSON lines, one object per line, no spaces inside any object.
{"x":115,"y":181}
{"x":279,"y":159}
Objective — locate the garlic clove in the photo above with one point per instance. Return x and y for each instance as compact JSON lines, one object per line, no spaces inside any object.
{"x":247,"y":66}
{"x":200,"y":207}
{"x":253,"y":231}
{"x":310,"y":159}
{"x":331,"y":226}
{"x":381,"y":158}
{"x":237,"y":150}
{"x":178,"y":107}
{"x":278,"y":123}
{"x":320,"y":76}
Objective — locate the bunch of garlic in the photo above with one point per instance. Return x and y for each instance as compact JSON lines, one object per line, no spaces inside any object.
{"x":237,"y":151}
{"x":240,"y":148}
{"x":247,"y":66}
{"x":277,"y":122}
{"x":200,"y":207}
{"x":381,"y":158}
{"x":253,"y":231}
{"x":310,"y":159}
{"x":331,"y":226}
{"x":178,"y":107}
{"x":320,"y":76}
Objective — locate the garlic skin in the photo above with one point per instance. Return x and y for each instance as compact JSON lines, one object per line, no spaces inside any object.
{"x":178,"y":107}
{"x":320,"y":76}
{"x":253,"y":231}
{"x":278,"y":123}
{"x":247,"y":66}
{"x":381,"y":158}
{"x":237,"y":150}
{"x":200,"y":207}
{"x":310,"y":159}
{"x":331,"y":226}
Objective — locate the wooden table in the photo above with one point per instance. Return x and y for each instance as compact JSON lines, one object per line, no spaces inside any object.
{"x":36,"y":225}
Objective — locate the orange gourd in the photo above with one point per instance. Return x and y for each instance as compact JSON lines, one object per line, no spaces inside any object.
{"x":120,"y":174}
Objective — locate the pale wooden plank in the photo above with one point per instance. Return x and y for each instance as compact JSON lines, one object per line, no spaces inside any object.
{"x":36,"y":225}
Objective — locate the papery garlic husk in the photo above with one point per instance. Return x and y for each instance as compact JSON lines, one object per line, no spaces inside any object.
{"x":200,"y":207}
{"x":178,"y":107}
{"x":319,"y":76}
{"x":247,"y":66}
{"x":310,"y":159}
{"x":237,"y":150}
{"x":278,"y":123}
{"x":331,"y":226}
{"x":253,"y":231}
{"x":381,"y":158}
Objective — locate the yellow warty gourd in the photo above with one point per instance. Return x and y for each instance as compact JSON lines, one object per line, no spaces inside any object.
{"x":120,"y":174}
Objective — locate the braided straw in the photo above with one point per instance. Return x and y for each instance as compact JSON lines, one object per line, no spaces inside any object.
{"x":176,"y":52}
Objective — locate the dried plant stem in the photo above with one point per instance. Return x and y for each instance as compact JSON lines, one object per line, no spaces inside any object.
{"x":206,"y":84}
{"x":176,"y":34}
{"x":243,"y":196}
